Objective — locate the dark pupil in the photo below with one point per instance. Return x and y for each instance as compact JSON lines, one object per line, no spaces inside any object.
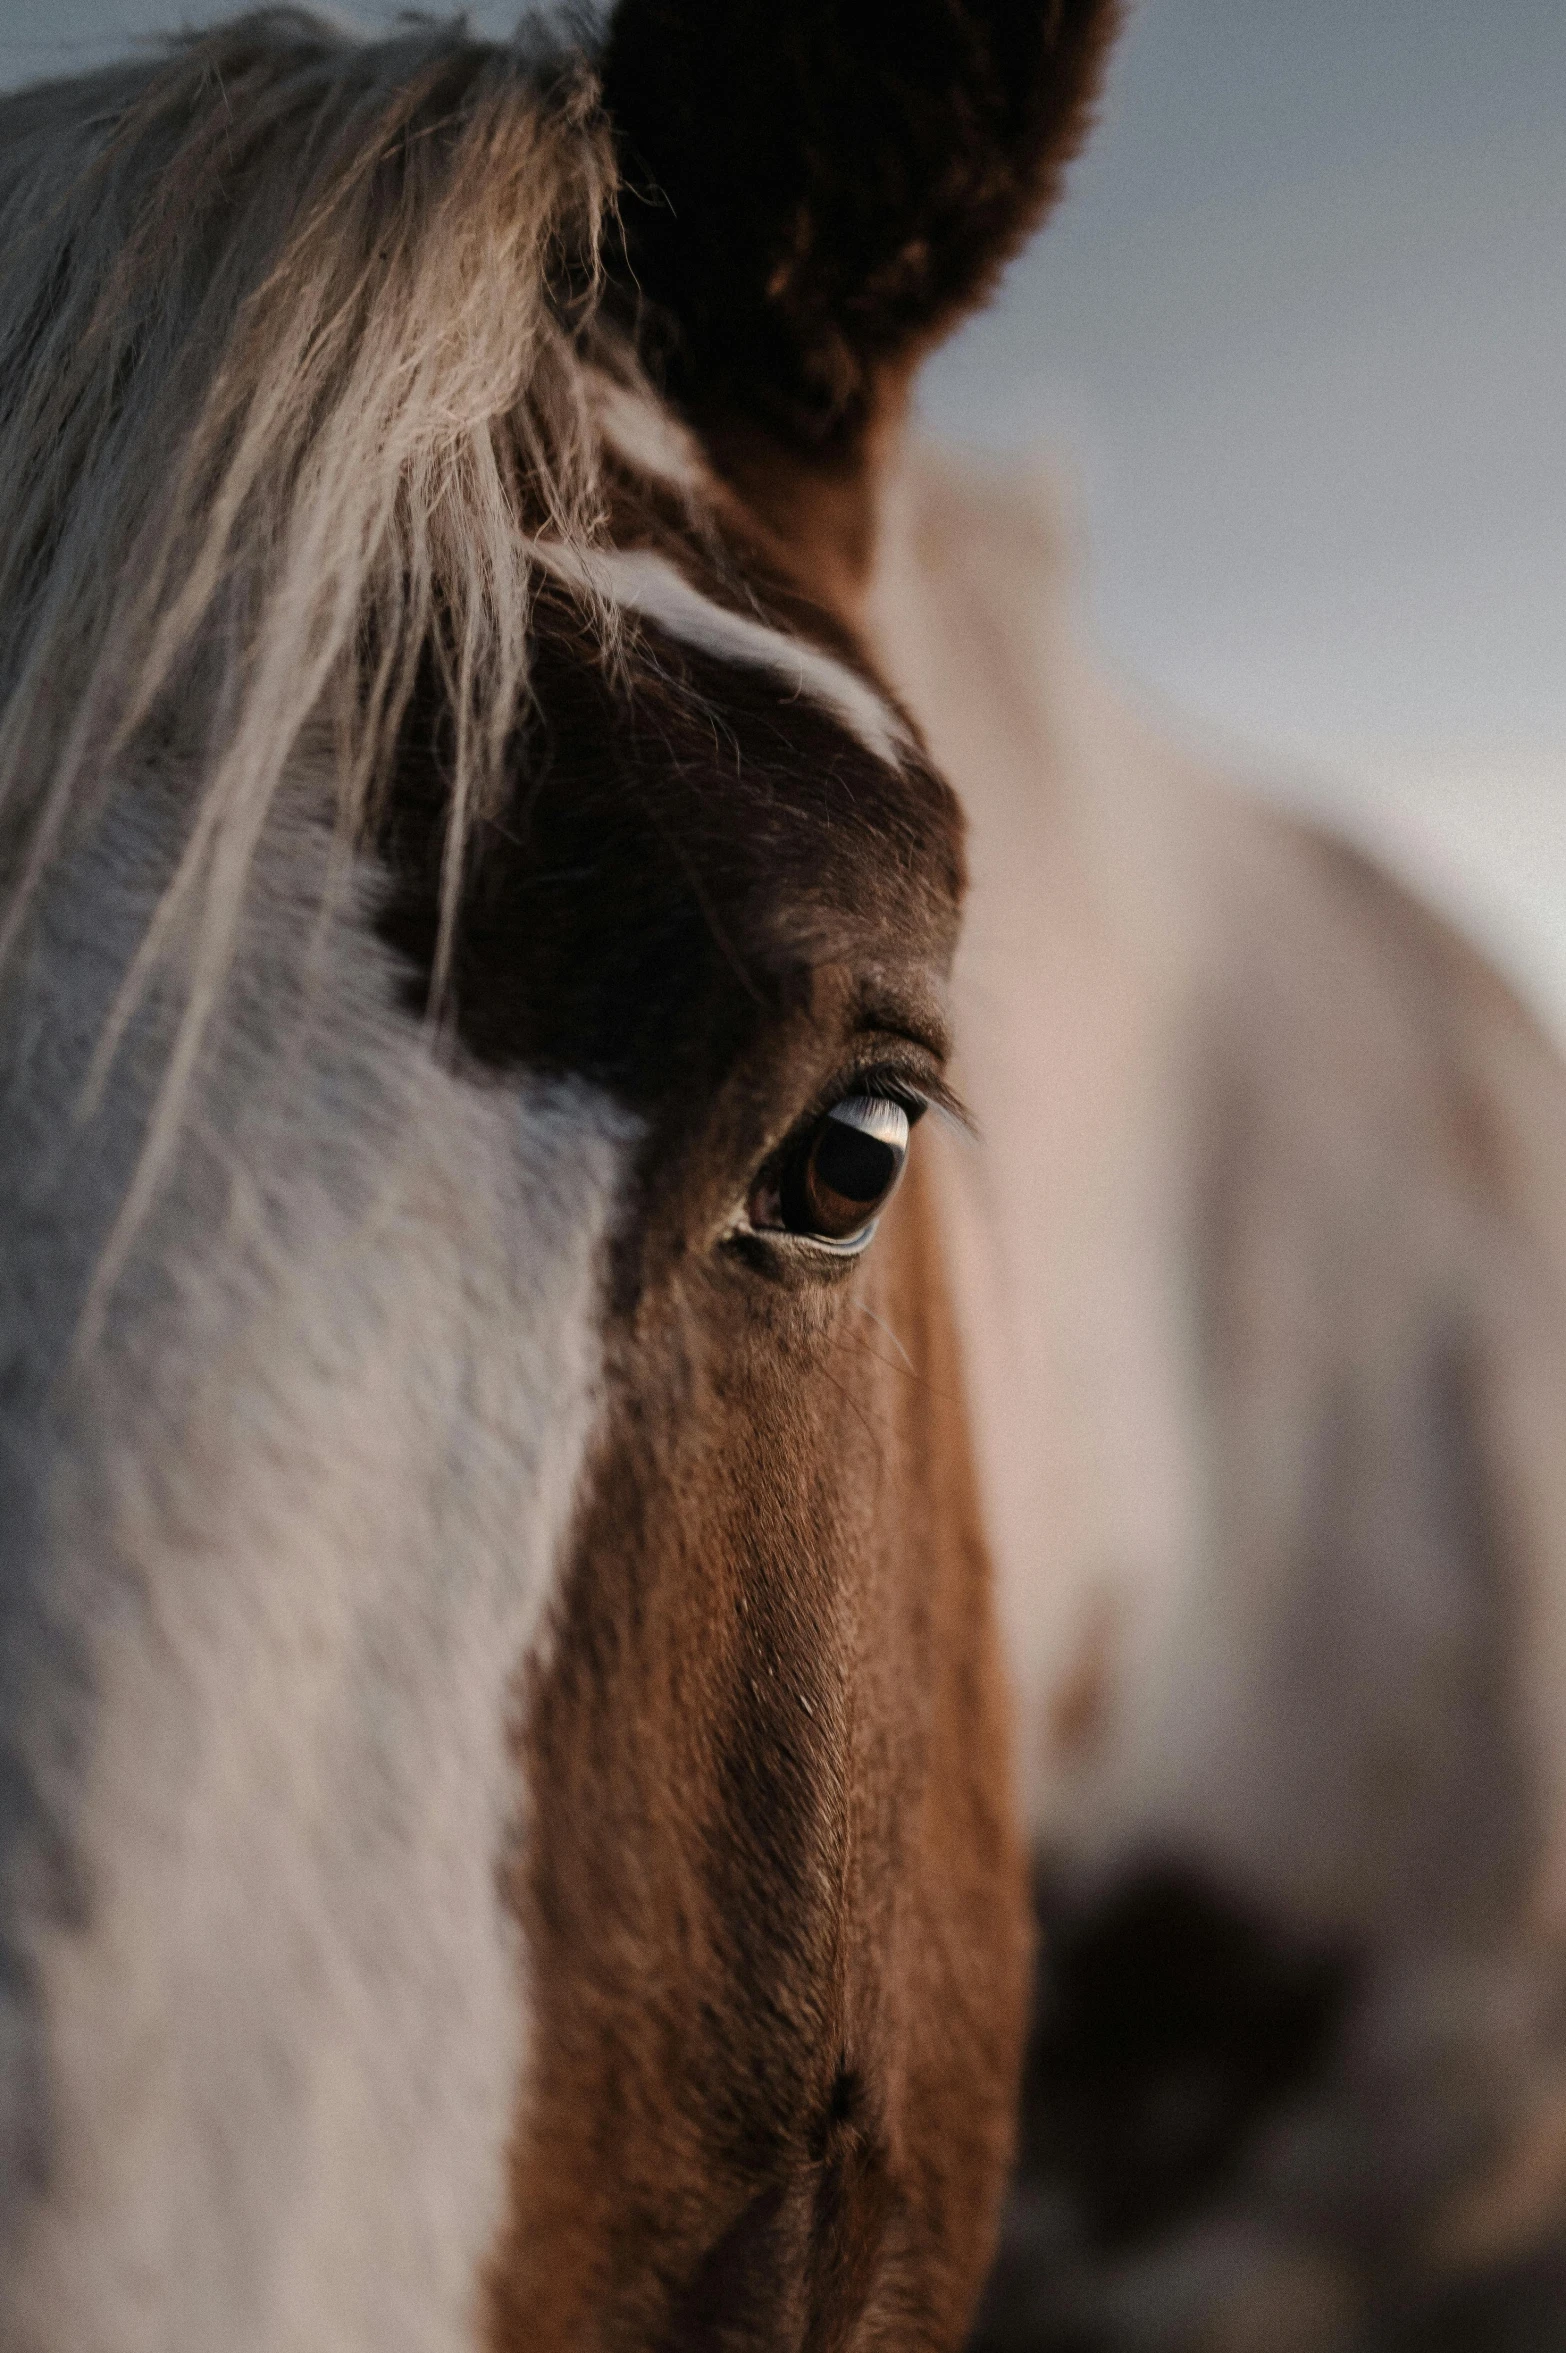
{"x":854,"y":1166}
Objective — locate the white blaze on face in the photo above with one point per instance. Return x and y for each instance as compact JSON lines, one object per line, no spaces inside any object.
{"x":312,"y":1501}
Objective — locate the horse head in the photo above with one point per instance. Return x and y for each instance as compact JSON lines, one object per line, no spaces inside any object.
{"x":508,"y":1837}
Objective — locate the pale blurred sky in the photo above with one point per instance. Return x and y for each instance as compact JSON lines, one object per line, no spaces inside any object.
{"x":1299,"y":340}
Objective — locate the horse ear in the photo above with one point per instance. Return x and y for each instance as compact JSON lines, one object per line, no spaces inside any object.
{"x":817,"y":190}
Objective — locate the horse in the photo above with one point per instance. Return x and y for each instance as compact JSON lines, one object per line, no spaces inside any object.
{"x":511,"y":1831}
{"x":1261,"y":1289}
{"x":508,"y":1826}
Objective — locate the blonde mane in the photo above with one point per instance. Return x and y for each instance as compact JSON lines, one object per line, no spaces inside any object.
{"x":291,"y":336}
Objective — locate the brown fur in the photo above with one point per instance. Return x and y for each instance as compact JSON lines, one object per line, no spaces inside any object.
{"x":774,"y":1746}
{"x":770,"y":1895}
{"x":770,"y":1892}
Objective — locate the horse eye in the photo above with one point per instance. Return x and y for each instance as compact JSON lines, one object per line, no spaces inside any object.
{"x":840,"y":1174}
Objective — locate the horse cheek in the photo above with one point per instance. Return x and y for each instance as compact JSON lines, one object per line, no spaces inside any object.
{"x":964,"y":1938}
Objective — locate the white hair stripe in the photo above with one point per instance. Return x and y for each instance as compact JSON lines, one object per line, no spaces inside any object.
{"x":645,"y":436}
{"x":640,"y":581}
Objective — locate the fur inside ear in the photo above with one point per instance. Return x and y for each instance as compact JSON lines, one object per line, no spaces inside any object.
{"x":816,"y":190}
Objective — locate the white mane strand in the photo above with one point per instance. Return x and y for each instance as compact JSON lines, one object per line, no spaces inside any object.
{"x":289,"y":331}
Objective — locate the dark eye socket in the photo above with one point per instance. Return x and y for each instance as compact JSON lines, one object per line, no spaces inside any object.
{"x":839,"y":1175}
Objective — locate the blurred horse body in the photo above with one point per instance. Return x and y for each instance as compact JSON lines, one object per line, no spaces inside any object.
{"x":1262,"y":1283}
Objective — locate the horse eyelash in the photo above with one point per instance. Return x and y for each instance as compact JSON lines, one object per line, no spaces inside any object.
{"x":949,"y":1106}
{"x":917,"y":1096}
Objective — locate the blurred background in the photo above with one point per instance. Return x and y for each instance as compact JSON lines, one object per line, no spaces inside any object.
{"x":1297,"y":342}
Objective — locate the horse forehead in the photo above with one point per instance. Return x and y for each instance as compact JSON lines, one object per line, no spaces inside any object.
{"x":649,"y":583}
{"x":688,"y":564}
{"x":756,"y":741}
